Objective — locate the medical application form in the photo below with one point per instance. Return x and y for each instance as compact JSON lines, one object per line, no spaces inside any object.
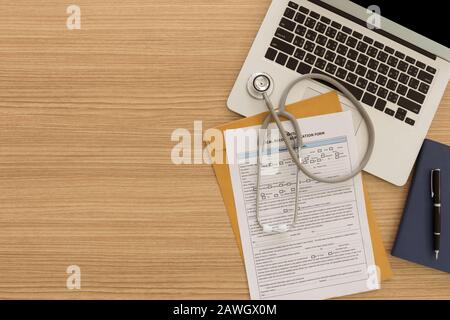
{"x":328,"y":251}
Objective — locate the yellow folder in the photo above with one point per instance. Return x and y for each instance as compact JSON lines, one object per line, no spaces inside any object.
{"x":323,"y":104}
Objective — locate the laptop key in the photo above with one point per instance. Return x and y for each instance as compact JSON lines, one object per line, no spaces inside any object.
{"x":361,"y":71}
{"x":310,"y":58}
{"x":303,"y":68}
{"x":342,"y":50}
{"x":341,"y":73}
{"x":400,"y":114}
{"x":336,"y":25}
{"x":372,"y":87}
{"x":403,"y":66}
{"x":300,"y":17}
{"x":315,"y":15}
{"x":300,"y":30}
{"x":409,"y":105}
{"x":371,"y":75}
{"x":289,"y":13}
{"x":325,"y":20}
{"x":362,"y":83}
{"x":368,"y":40}
{"x":351,"y":78}
{"x":322,"y":40}
{"x":331,"y":44}
{"x":412,"y":71}
{"x":350,"y":65}
{"x":425,"y":76}
{"x":403,"y":78}
{"x":320,"y":51}
{"x":420,"y":64}
{"x":293,"y":5}
{"x":281,"y":58}
{"x":318,"y":71}
{"x":309,"y":46}
{"x":340,"y":61}
{"x":299,"y":54}
{"x":380,"y":104}
{"x":299,"y":41}
{"x":372,"y":52}
{"x":311,"y":35}
{"x":271,"y":53}
{"x":382,"y":92}
{"x":382,"y":56}
{"x":284,"y":35}
{"x":330,"y":55}
{"x":357,"y":35}
{"x":358,"y":93}
{"x":373,"y":64}
{"x":424,"y":88}
{"x":352,"y":54}
{"x":416,"y":96}
{"x":331,"y":68}
{"x":410,"y":60}
{"x":393,"y":74}
{"x":392,"y":97}
{"x":362,"y":59}
{"x":287,"y":24}
{"x":331,"y":32}
{"x":362,"y":47}
{"x":400,"y":55}
{"x":401,"y":89}
{"x":392,"y":61}
{"x":282,"y":46}
{"x":310,"y":23}
{"x":431,"y":70}
{"x":391,"y":85}
{"x":321,"y":27}
{"x":369,"y":99}
{"x":292,"y":63}
{"x":378,"y":45}
{"x":383,"y":69}
{"x":347,"y":30}
{"x":389,"y":112}
{"x":320,"y":63}
{"x":413,"y":83}
{"x":351,"y":42}
{"x":389,"y":50}
{"x":410,"y":121}
{"x":304,"y":10}
{"x":341,"y":37}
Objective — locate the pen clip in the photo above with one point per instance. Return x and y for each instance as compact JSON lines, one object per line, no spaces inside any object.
{"x":431,"y":183}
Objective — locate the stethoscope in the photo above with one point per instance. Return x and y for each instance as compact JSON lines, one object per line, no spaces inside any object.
{"x":260,"y":86}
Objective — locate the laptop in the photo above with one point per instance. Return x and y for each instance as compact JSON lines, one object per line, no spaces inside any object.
{"x":398,"y":74}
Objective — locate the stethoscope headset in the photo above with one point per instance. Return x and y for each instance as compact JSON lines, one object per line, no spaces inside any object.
{"x":260,"y":86}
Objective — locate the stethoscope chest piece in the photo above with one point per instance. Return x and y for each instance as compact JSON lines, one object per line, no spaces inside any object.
{"x":258,"y":84}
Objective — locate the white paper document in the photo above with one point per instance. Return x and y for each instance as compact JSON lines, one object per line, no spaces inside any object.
{"x":328,"y":251}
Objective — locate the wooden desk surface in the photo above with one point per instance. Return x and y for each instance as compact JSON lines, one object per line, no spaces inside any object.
{"x":85,"y":172}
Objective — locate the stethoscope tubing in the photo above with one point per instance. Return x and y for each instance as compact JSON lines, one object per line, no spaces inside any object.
{"x":274,"y":115}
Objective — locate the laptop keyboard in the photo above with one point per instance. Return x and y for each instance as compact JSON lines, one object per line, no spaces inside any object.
{"x":307,"y":42}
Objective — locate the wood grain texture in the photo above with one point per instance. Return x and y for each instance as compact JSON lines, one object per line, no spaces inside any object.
{"x":85,"y":170}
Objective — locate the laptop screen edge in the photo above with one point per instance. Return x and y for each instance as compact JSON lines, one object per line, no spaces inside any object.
{"x":393,"y":28}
